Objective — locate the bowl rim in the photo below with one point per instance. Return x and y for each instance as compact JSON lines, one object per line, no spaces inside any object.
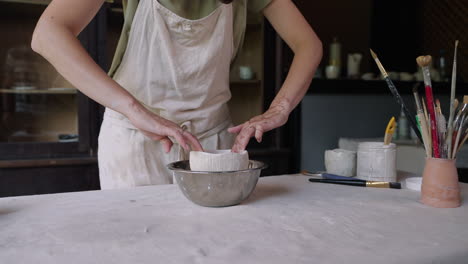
{"x":172,"y":167}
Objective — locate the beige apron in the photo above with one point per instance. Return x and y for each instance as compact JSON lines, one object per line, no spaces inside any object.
{"x":179,"y":69}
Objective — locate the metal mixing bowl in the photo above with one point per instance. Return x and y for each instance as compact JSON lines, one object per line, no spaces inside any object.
{"x":216,"y":189}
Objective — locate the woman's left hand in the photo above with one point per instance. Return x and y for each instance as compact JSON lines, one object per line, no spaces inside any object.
{"x":276,"y":116}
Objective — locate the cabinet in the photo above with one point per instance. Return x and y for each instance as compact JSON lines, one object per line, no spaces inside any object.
{"x":48,"y":130}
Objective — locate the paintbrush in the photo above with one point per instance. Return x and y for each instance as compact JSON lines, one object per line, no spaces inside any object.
{"x":397,"y":96}
{"x":424,"y":62}
{"x":420,"y":118}
{"x":457,"y":139}
{"x":360,"y":183}
{"x":463,"y":141}
{"x":452,"y":101}
{"x":441,"y":129}
{"x":461,"y":111}
{"x":428,"y":125}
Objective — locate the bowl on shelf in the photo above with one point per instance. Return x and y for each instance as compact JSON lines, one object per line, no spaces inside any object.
{"x":216,"y":188}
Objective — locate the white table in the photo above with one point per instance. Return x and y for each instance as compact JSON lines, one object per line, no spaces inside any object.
{"x":286,"y":220}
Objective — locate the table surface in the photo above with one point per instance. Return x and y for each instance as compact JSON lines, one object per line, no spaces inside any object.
{"x":285,"y":220}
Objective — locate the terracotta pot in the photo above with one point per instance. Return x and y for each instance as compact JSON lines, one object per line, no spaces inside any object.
{"x":440,"y":186}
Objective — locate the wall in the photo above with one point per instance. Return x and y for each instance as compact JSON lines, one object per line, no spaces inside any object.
{"x":348,"y":21}
{"x":326,"y":118}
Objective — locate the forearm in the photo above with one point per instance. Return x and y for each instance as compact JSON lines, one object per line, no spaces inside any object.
{"x":306,"y":60}
{"x":307,"y":47}
{"x":63,"y":50}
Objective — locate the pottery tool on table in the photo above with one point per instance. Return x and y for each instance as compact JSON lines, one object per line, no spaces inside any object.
{"x":453,"y":107}
{"x":397,"y":96}
{"x":389,"y":131}
{"x":424,"y":62}
{"x":421,"y":119}
{"x":360,"y":183}
{"x":323,"y":177}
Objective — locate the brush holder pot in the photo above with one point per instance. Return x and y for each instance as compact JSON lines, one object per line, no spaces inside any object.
{"x":219,"y":160}
{"x":376,"y":161}
{"x":340,"y":162}
{"x":440,"y":186}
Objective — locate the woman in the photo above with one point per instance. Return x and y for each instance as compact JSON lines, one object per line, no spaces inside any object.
{"x":169,"y":82}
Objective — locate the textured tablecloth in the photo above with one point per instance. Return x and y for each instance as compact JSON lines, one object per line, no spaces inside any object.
{"x":286,"y":220}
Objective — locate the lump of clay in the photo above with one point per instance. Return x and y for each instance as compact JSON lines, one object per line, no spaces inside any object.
{"x":219,"y":160}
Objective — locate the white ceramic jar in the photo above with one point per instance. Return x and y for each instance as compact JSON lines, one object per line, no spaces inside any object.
{"x":376,"y":161}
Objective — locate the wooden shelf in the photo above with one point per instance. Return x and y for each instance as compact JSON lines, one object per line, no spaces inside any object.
{"x":39,"y":91}
{"x":37,"y":2}
{"x":245,"y":82}
{"x":348,"y":86}
{"x":34,"y":163}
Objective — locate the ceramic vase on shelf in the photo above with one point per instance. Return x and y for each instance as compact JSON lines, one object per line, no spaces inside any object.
{"x":440,"y":186}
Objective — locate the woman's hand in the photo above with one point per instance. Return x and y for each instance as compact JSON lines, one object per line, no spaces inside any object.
{"x":294,"y":29}
{"x":160,"y":129}
{"x":276,"y":116}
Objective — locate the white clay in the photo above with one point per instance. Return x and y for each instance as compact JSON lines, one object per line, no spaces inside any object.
{"x":340,"y":162}
{"x":219,"y":160}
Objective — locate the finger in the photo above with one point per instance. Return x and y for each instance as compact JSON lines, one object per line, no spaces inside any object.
{"x":152,"y":136}
{"x":193,"y":141}
{"x":243,"y":139}
{"x":236,"y":129}
{"x":259,"y":133}
{"x":177,"y":134}
{"x":167,"y":144}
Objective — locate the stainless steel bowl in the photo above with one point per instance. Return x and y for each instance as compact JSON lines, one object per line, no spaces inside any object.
{"x":216,"y":189}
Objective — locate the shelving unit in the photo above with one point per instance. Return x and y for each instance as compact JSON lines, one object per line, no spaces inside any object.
{"x":40,"y":91}
{"x":33,"y":157}
{"x":348,"y":86}
{"x":35,"y":2}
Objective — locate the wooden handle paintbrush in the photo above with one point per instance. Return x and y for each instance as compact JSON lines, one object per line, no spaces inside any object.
{"x":397,"y":96}
{"x":428,"y":122}
{"x":421,"y":119}
{"x":462,"y":142}
{"x":452,"y":102}
{"x":424,"y":62}
{"x":441,"y":130}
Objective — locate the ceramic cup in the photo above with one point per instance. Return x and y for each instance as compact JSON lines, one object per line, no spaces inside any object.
{"x":332,"y":72}
{"x":406,"y":76}
{"x":440,"y":186}
{"x":246,"y":73}
{"x":368,"y":76}
{"x":219,"y":160}
{"x":354,"y":62}
{"x":376,"y":161}
{"x":340,"y":162}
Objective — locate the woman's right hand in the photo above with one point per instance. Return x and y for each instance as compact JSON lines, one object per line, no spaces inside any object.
{"x":160,"y":129}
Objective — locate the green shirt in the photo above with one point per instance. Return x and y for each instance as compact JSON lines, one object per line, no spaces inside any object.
{"x":190,"y":9}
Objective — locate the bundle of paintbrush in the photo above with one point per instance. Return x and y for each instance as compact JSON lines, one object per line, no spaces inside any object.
{"x":441,"y":138}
